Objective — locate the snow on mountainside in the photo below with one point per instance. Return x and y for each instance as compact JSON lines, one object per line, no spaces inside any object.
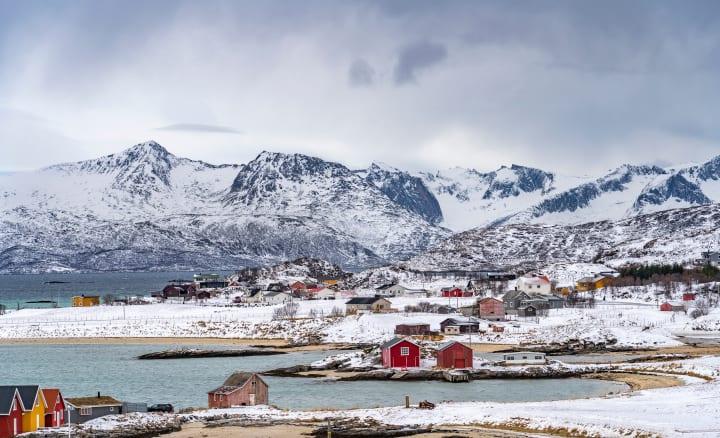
{"x":470,"y":199}
{"x":310,"y":189}
{"x":671,"y":236}
{"x":145,"y":208}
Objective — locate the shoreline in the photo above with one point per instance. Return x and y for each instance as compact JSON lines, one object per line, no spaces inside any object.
{"x":247,"y":342}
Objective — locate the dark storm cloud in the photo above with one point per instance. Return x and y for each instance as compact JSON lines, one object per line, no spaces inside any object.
{"x":416,"y":57}
{"x":198,"y":127}
{"x":361,"y":73}
{"x":560,"y":84}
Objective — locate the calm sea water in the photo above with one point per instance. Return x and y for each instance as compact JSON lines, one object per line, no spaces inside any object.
{"x":81,"y":370}
{"x":18,"y":289}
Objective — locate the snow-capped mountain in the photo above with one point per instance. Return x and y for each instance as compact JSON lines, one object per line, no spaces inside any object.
{"x":469,"y":198}
{"x":626,"y":192}
{"x":666,"y":236}
{"x":145,"y":208}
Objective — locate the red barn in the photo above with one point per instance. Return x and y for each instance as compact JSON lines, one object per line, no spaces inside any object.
{"x":55,"y":407}
{"x":11,"y":409}
{"x":491,"y":309}
{"x":688,"y":296}
{"x":400,"y":353}
{"x":672,"y":307}
{"x":240,"y":389}
{"x":452,"y":292}
{"x":454,"y":355}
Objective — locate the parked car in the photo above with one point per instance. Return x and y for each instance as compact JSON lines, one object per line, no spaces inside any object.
{"x":161,"y":407}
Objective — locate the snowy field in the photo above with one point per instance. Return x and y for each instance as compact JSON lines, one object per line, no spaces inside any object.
{"x":632,"y":323}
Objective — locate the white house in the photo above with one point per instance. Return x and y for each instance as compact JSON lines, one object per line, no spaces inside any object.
{"x":327,"y":294}
{"x":524,"y":358}
{"x":276,"y":297}
{"x":535,"y":283}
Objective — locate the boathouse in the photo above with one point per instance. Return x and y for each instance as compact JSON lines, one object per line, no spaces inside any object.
{"x":33,"y":416}
{"x":454,"y":355}
{"x":240,"y":389}
{"x":400,"y":353}
{"x":54,"y":407}
{"x":11,"y":409}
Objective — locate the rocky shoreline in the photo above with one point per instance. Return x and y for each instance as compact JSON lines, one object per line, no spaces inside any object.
{"x":193,"y":353}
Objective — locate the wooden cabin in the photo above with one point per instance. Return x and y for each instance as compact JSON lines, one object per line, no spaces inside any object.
{"x":454,"y":355}
{"x":33,"y":416}
{"x":412,"y":329}
{"x":367,"y":304}
{"x":240,"y":389}
{"x":491,"y":309}
{"x":82,"y":409}
{"x":400,"y":353}
{"x":85,"y":300}
{"x":462,"y":326}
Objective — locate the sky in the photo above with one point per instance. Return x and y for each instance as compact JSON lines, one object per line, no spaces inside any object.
{"x":575,"y":86}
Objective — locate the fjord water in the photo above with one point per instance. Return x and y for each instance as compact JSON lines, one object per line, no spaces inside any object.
{"x":83,"y":370}
{"x":18,"y":289}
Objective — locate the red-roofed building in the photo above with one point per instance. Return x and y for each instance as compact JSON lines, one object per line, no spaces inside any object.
{"x":54,"y":407}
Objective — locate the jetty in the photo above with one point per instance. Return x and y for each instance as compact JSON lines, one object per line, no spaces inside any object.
{"x":193,"y":353}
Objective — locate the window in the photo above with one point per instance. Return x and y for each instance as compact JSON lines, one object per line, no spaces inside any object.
{"x":85,"y":411}
{"x":510,"y":358}
{"x":538,"y":357}
{"x":404,"y":351}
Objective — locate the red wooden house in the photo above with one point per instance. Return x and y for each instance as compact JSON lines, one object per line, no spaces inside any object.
{"x":240,"y":389}
{"x":454,"y":355}
{"x":412,"y":329}
{"x":54,"y":407}
{"x":297,"y":286}
{"x":11,"y":409}
{"x":671,"y":307}
{"x":688,"y":296}
{"x":453,"y":292}
{"x":491,"y":309}
{"x":400,"y":353}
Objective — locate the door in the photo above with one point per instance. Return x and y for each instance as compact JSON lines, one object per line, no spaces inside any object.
{"x":459,"y":362}
{"x":252,"y":399}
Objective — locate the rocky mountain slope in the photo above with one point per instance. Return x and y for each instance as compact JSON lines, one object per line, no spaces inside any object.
{"x":145,"y":208}
{"x":671,"y":236}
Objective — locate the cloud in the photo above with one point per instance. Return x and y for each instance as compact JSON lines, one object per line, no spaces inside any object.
{"x":198,"y":127}
{"x":361,"y":73}
{"x":416,"y":57}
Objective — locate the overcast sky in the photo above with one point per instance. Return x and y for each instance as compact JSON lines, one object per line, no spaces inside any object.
{"x":577,"y":86}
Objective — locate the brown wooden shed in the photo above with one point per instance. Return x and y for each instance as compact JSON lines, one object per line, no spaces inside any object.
{"x":454,"y":355}
{"x":240,"y":389}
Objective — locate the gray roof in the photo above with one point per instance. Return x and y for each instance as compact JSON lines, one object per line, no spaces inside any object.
{"x":28,"y":394}
{"x":364,"y":300}
{"x":459,"y":321}
{"x":511,"y":295}
{"x":7,"y":393}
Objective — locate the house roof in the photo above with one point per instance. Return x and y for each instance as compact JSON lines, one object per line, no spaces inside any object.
{"x":7,"y":394}
{"x":394,"y":341}
{"x":50,"y":395}
{"x":364,"y":300}
{"x":448,"y":344}
{"x":511,"y":295}
{"x":236,"y":380}
{"x":28,"y":394}
{"x":449,"y":288}
{"x":86,"y":402}
{"x":458,"y":321}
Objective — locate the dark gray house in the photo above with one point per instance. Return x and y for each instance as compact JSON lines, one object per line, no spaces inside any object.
{"x":513,"y":299}
{"x":82,"y":409}
{"x":529,"y":310}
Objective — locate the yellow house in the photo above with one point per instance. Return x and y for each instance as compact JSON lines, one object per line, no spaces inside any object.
{"x":85,"y":301}
{"x":33,"y":416}
{"x":592,"y":283}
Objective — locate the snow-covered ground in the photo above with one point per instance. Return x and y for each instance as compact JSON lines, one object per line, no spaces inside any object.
{"x":630,"y":323}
